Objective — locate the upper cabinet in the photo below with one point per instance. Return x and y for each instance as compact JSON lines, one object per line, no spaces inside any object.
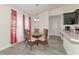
{"x":77,"y":11}
{"x":71,"y":18}
{"x":77,"y":19}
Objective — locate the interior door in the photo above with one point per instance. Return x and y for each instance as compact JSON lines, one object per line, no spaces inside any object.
{"x":55,"y":25}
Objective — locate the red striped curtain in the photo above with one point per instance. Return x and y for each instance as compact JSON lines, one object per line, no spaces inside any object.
{"x":30,"y":24}
{"x":13,"y":38}
{"x":24,"y":24}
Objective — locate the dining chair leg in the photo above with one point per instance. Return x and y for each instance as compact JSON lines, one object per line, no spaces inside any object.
{"x":45,"y":46}
{"x":37,"y":44}
{"x":26,"y":45}
{"x":31,"y":48}
{"x":24,"y":41}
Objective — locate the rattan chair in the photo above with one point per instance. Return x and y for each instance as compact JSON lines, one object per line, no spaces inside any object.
{"x":30,"y":40}
{"x":44,"y":39}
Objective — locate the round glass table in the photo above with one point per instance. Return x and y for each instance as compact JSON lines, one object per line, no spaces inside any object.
{"x":36,"y":35}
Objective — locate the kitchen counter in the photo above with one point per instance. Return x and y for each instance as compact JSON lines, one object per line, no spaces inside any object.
{"x":70,"y":42}
{"x":71,"y":36}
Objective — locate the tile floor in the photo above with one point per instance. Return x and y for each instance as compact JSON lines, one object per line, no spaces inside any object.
{"x":55,"y":48}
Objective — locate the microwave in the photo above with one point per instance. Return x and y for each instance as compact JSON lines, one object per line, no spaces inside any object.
{"x":67,"y":27}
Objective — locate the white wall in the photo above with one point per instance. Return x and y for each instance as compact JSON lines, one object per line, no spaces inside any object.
{"x":43,"y":23}
{"x":20,"y":31}
{"x":26,"y":22}
{"x":5,"y":19}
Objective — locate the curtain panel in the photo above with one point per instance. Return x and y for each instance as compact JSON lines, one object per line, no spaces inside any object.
{"x":13,"y":26}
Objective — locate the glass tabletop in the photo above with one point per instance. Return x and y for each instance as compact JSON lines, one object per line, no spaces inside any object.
{"x":36,"y":35}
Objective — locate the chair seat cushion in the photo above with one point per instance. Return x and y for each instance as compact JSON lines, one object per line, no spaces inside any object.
{"x":33,"y":39}
{"x":42,"y":38}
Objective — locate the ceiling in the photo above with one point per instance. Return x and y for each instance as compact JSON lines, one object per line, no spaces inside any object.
{"x":31,"y":8}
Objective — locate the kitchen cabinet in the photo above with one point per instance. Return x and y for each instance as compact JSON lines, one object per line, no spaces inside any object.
{"x":69,"y":18}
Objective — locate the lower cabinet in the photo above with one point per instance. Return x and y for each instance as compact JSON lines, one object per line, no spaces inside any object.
{"x":72,"y":48}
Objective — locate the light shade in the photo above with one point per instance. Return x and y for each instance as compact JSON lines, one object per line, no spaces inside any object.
{"x":36,"y":19}
{"x":37,"y":13}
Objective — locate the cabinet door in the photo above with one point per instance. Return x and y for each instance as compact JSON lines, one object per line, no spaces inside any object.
{"x":69,"y":18}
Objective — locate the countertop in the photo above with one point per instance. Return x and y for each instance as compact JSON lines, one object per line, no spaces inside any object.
{"x":70,"y":35}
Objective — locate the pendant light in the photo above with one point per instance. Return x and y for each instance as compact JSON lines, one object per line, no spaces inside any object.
{"x":37,"y":13}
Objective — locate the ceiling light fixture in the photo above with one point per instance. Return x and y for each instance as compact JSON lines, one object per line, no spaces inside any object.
{"x":37,"y":13}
